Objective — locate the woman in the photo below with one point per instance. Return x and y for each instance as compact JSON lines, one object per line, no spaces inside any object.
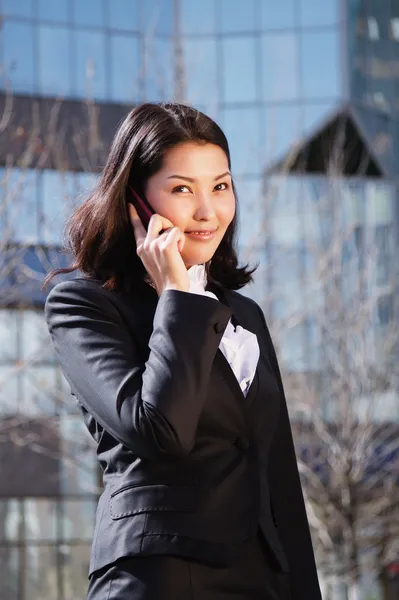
{"x":177,"y":379}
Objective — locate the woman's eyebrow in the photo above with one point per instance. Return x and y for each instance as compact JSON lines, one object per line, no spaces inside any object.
{"x":191,"y":180}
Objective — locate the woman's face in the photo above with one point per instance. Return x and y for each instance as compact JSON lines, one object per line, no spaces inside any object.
{"x":193,"y":189}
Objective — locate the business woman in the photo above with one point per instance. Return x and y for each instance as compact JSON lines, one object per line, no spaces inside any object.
{"x":177,"y":378}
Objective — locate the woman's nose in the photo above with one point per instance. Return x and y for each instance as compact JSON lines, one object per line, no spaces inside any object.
{"x":205,"y":208}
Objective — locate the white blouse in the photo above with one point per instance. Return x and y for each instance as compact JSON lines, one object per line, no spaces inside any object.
{"x":239,"y":346}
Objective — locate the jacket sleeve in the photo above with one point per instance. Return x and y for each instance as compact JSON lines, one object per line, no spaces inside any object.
{"x":153,"y":408}
{"x":288,"y":506}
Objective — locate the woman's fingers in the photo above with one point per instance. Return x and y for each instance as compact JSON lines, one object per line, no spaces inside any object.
{"x":158,"y":224}
{"x":139,"y":230}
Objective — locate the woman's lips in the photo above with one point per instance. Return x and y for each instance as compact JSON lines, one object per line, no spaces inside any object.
{"x":201,"y":236}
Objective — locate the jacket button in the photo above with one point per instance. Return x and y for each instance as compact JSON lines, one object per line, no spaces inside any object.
{"x":242,"y":444}
{"x":219,"y":327}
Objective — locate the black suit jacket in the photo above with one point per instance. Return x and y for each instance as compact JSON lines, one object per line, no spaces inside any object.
{"x":191,"y":466}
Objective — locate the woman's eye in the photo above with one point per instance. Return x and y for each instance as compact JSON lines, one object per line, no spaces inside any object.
{"x":180,"y":188}
{"x":221,"y":186}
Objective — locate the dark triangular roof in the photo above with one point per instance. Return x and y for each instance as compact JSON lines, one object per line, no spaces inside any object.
{"x":338,"y":145}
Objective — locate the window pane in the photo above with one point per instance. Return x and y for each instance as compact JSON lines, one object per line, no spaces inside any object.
{"x":79,"y":463}
{"x":242,"y":129}
{"x":21,"y":8}
{"x":78,"y":519}
{"x":198,"y":17}
{"x":48,"y":10}
{"x":282,"y":130}
{"x":54,"y":60}
{"x":156,"y":17}
{"x":124,"y":14}
{"x":57,"y":201}
{"x":315,"y":113}
{"x":250,"y":214}
{"x":40,"y":519}
{"x":9,"y":320}
{"x":8,"y":391}
{"x":10,"y":520}
{"x":237,"y":15}
{"x":239,"y":69}
{"x":39,"y":390}
{"x":90,"y":64}
{"x":280,"y":16}
{"x":159,"y":84}
{"x":19,"y":56}
{"x":314,"y":12}
{"x":320,"y":78}
{"x":200,"y":59}
{"x":40,"y":573}
{"x":89,"y":12}
{"x":75,"y":568}
{"x":125,"y":66}
{"x":9,"y":573}
{"x":279,"y":56}
{"x":22,"y":205}
{"x":35,"y":339}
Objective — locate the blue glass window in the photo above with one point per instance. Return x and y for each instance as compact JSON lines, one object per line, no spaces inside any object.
{"x":79,"y":468}
{"x":156,"y":17}
{"x":315,"y":113}
{"x":200,"y":59}
{"x":237,"y":15}
{"x":250,"y":213}
{"x":89,"y":13}
{"x":90,"y":64}
{"x":240,"y":75}
{"x":160,"y":71}
{"x":9,"y":320}
{"x":282,"y":131}
{"x":57,"y":192}
{"x":320,"y":64}
{"x":48,"y":10}
{"x":315,"y":13}
{"x":38,"y":390}
{"x":124,"y":14}
{"x":125,"y":67}
{"x":40,"y":519}
{"x":198,"y":17}
{"x":78,"y":518}
{"x":241,"y":126}
{"x":280,"y":66}
{"x":22,"y":205}
{"x":279,"y":16}
{"x":54,"y":60}
{"x":17,"y":8}
{"x":19,"y":56}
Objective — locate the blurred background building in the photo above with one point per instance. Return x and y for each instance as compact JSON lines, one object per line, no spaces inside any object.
{"x":307,"y":92}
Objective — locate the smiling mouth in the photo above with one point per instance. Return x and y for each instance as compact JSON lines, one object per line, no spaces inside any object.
{"x":202,"y":235}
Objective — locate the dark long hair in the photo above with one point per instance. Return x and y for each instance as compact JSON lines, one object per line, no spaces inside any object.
{"x":99,"y":234}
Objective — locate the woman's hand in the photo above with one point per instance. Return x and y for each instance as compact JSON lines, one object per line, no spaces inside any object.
{"x":160,"y":252}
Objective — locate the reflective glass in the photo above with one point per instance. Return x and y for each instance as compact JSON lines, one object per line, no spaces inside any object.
{"x":9,"y":573}
{"x":320,"y":78}
{"x":9,"y":391}
{"x":40,"y":519}
{"x":19,"y":62}
{"x":9,"y":321}
{"x":202,"y":83}
{"x":239,"y":69}
{"x":54,"y":60}
{"x":22,"y":205}
{"x":197,"y":17}
{"x":124,"y":14}
{"x":380,"y":205}
{"x":85,"y":182}
{"x":125,"y":68}
{"x":35,"y":338}
{"x":74,"y":568}
{"x":282,"y":131}
{"x":315,"y":13}
{"x":241,"y":127}
{"x":156,"y":17}
{"x":78,"y":519}
{"x":236,"y":15}
{"x":258,"y":289}
{"x":279,"y":66}
{"x":40,"y":572}
{"x":89,"y":13}
{"x":48,"y":10}
{"x":284,"y":224}
{"x":10,"y":520}
{"x":79,"y":470}
{"x":281,"y":15}
{"x":57,"y":200}
{"x":159,"y":84}
{"x":314,"y":113}
{"x":90,"y":64}
{"x":250,"y":213}
{"x":292,"y":348}
{"x":19,"y":8}
{"x":39,"y":390}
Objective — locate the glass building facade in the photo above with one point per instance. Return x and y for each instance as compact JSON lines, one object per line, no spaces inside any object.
{"x":275,"y":75}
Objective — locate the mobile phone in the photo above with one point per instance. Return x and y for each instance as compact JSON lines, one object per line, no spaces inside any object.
{"x":144,"y":209}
